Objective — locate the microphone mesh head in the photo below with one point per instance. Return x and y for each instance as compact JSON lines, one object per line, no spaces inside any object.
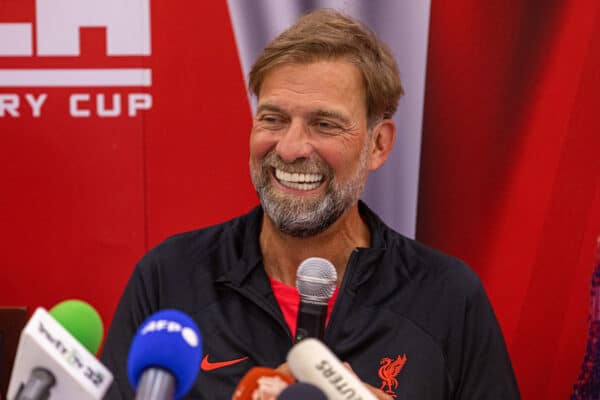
{"x":316,"y":279}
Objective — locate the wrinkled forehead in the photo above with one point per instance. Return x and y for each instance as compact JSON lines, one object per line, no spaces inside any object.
{"x":308,"y":58}
{"x":323,"y":86}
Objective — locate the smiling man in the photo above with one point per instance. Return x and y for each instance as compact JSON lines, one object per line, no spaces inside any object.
{"x":311,"y":148}
{"x":410,"y":321}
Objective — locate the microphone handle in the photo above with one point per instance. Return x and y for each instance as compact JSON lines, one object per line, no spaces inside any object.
{"x":156,"y":384}
{"x":38,"y":385}
{"x":311,"y":320}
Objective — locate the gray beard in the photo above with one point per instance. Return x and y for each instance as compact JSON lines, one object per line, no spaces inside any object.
{"x":300,"y":220}
{"x":307,"y":217}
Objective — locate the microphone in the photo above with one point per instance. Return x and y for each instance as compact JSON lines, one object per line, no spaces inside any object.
{"x":261,"y":383}
{"x":82,"y":321}
{"x":55,"y":355}
{"x":164,"y":356}
{"x":302,"y":391}
{"x":311,"y":361}
{"x":316,"y":279}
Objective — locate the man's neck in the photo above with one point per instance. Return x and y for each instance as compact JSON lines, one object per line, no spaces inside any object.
{"x":283,"y":253}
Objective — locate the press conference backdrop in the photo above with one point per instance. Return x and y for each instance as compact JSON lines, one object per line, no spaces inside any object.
{"x":125,"y":121}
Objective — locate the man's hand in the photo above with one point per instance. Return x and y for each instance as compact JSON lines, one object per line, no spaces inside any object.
{"x":284,"y":369}
{"x":379,"y":394}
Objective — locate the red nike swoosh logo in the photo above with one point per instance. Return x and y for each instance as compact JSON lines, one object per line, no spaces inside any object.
{"x":209,"y":366}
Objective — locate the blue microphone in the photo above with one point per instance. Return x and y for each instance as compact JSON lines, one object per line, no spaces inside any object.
{"x":301,"y":391}
{"x":164,"y":356}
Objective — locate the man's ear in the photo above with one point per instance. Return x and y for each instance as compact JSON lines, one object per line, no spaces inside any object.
{"x":382,"y":142}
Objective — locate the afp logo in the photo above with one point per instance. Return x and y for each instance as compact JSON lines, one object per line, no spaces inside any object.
{"x":49,"y":51}
{"x":163,"y":325}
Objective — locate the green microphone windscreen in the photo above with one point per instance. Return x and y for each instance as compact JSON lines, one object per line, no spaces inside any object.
{"x":82,"y":321}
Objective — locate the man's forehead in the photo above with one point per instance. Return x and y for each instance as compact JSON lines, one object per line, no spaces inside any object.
{"x":321,"y":87}
{"x":340,"y":71}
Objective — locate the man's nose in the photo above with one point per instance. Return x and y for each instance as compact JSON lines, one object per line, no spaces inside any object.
{"x":295,"y":142}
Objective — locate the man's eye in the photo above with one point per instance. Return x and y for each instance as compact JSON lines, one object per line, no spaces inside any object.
{"x":326,"y":126}
{"x":271,"y":119}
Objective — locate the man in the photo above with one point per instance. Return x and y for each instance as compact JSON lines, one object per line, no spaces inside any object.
{"x":411,"y":322}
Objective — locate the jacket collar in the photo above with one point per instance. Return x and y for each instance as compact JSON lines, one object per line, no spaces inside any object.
{"x":245,"y":232}
{"x":245,"y":236}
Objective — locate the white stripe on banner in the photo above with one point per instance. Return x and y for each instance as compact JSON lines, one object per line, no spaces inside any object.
{"x":75,"y":77}
{"x":392,"y":190}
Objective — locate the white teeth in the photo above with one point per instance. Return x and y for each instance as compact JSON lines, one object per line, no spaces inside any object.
{"x":300,"y":186}
{"x":299,"y":181}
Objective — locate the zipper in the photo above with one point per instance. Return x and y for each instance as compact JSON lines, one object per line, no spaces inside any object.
{"x":266,"y":307}
{"x":336,"y":307}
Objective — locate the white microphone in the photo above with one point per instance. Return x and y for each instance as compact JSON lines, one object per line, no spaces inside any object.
{"x":52,"y":364}
{"x":312,"y":362}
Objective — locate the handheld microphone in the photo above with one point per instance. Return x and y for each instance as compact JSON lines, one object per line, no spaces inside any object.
{"x":316,"y":280}
{"x":301,"y":391}
{"x":261,"y":383}
{"x":311,"y":361}
{"x":51,"y":363}
{"x":164,"y":356}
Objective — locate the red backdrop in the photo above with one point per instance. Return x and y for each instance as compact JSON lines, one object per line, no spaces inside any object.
{"x":84,"y":198}
{"x":510,"y":172}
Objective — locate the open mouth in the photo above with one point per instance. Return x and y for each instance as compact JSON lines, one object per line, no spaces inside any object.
{"x":298,"y":181}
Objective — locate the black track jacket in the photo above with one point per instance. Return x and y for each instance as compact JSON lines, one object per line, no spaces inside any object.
{"x":399,"y":300}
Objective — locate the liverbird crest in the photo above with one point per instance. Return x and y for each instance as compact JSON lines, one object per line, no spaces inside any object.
{"x":388,"y":371}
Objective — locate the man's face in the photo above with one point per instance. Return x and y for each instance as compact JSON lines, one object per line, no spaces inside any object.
{"x":309,"y":147}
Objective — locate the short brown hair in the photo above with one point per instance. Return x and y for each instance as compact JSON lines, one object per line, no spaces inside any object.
{"x":329,"y":34}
